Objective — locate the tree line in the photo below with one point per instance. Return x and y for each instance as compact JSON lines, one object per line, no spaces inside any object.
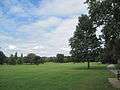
{"x":32,"y":58}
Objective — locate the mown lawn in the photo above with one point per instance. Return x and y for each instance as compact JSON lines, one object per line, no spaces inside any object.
{"x":52,"y":76}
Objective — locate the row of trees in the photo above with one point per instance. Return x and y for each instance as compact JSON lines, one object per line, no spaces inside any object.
{"x":31,"y":58}
{"x":14,"y":59}
{"x":85,"y":45}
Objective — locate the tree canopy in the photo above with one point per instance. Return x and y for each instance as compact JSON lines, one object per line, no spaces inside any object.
{"x":107,"y":14}
{"x":84,"y":43}
{"x":2,"y":57}
{"x":60,"y":58}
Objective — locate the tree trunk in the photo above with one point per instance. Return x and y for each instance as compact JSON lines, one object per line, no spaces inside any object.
{"x":88,"y":64}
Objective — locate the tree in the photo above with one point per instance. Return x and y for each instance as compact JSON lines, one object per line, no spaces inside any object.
{"x":2,"y":58}
{"x":25,"y":59}
{"x":33,"y":59}
{"x":67,"y":59}
{"x":85,"y":45}
{"x":20,"y":59}
{"x":16,"y":57}
{"x":60,"y":58}
{"x":30,"y":58}
{"x":38,"y":60}
{"x":12,"y":60}
{"x":107,"y":14}
{"x":116,"y":51}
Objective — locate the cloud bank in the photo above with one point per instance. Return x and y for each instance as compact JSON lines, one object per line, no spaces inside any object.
{"x":43,"y":27}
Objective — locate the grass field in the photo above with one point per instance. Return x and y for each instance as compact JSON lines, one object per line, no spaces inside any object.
{"x":52,"y":76}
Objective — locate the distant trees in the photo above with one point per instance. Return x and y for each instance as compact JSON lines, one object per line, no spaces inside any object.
{"x":2,"y":58}
{"x":12,"y":60}
{"x":38,"y":60}
{"x":15,"y":57}
{"x":68,"y":59}
{"x":60,"y":58}
{"x":30,"y":58}
{"x":20,"y":60}
{"x":85,"y":45}
{"x":34,"y":59}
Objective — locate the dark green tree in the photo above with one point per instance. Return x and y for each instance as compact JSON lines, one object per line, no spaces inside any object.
{"x":12,"y":60}
{"x":30,"y":58}
{"x":85,"y":45}
{"x":116,"y":51}
{"x":67,"y":59}
{"x":2,"y":58}
{"x":106,"y":13}
{"x":20,"y":60}
{"x":16,"y":56}
{"x":38,"y":60}
{"x":25,"y":60}
{"x":60,"y":58}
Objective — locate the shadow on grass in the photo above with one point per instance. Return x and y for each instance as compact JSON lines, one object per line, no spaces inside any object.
{"x":91,"y":68}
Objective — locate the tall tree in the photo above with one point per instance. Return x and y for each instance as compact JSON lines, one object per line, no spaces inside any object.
{"x":84,"y":43}
{"x":20,"y":59}
{"x":2,"y":57}
{"x":107,"y":14}
{"x":16,"y":56}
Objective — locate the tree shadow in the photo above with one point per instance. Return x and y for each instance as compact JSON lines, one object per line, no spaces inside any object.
{"x":91,"y":68}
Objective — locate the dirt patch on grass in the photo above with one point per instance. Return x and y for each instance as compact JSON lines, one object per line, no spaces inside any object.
{"x":115,"y":83}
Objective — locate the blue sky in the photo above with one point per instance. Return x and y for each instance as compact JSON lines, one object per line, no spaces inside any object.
{"x":42,"y":27}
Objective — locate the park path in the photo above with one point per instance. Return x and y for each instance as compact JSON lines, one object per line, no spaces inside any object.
{"x":114,"y":81}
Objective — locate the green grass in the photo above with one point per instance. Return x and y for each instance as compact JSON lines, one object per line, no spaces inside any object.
{"x":52,"y":76}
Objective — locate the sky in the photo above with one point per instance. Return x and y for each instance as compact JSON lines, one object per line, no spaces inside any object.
{"x":43,"y":27}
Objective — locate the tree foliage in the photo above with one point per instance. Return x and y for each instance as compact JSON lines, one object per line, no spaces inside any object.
{"x":30,"y":58}
{"x":60,"y":58}
{"x":12,"y":60}
{"x":20,"y":59}
{"x":85,"y":45}
{"x":34,"y":59}
{"x":2,"y":57}
{"x":107,"y":14}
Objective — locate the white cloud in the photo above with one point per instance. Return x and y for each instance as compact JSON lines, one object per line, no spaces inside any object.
{"x":16,"y":10}
{"x":36,"y":47}
{"x":61,"y":7}
{"x":41,"y":25}
{"x":12,"y":47}
{"x":59,"y":39}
